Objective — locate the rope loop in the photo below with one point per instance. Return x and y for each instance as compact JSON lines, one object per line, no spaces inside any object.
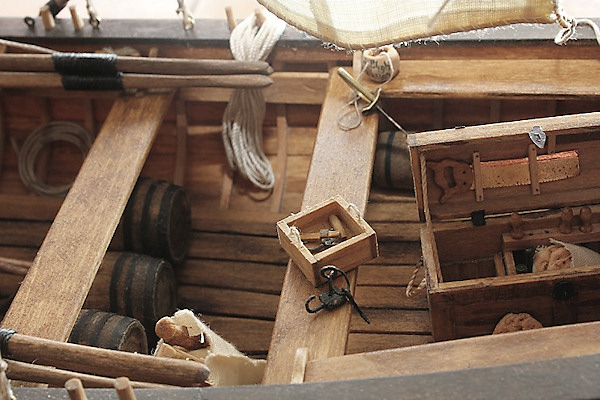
{"x":410,"y":291}
{"x":52,"y":132}
{"x":569,"y":24}
{"x":244,"y":115}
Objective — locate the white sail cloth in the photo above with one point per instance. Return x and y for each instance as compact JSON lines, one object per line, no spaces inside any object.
{"x":354,"y":24}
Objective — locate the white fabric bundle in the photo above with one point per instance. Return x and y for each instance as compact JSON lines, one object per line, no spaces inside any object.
{"x":354,"y":24}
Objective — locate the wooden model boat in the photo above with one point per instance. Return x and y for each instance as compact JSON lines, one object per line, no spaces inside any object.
{"x":235,"y":274}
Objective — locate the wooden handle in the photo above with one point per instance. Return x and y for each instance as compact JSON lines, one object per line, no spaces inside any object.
{"x":106,"y":362}
{"x":143,"y":65}
{"x":75,"y":390}
{"x":58,"y":377}
{"x":140,"y":81}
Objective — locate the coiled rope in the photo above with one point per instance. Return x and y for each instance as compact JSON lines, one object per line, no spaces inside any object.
{"x":244,"y":115}
{"x":52,"y":132}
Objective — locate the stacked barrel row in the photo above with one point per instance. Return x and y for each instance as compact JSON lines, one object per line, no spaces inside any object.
{"x":135,"y":288}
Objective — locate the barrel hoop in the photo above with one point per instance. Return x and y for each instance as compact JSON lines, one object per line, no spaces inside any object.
{"x":163,"y":225}
{"x":388,"y":160}
{"x":146,"y":218}
{"x":101,"y":322}
{"x":114,"y":281}
{"x":127,"y":218}
{"x":83,"y":319}
{"x":121,"y":327}
{"x":149,"y":289}
{"x":129,"y":282}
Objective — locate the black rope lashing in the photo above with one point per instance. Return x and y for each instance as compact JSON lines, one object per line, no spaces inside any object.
{"x":85,"y":64}
{"x":5,"y":335}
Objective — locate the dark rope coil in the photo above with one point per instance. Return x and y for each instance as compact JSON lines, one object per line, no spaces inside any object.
{"x":85,"y":64}
{"x":5,"y":335}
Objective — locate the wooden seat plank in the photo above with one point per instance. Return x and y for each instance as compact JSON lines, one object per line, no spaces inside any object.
{"x":341,"y":164}
{"x":491,"y":350}
{"x":50,"y":297}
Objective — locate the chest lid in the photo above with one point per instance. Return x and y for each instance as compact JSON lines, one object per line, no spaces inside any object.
{"x":499,"y":168}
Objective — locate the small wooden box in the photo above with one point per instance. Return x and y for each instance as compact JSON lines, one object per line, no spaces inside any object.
{"x":469,"y":182}
{"x":359,"y":246}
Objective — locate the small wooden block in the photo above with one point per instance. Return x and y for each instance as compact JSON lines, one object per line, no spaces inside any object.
{"x":358,"y":248}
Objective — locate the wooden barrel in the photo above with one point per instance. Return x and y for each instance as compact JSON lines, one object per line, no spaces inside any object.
{"x":134,"y":285}
{"x":157,"y":220}
{"x":109,"y":331}
{"x":392,"y":168}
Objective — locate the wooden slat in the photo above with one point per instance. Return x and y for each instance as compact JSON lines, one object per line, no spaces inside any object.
{"x":388,"y":297}
{"x":392,"y":321}
{"x":50,"y":297}
{"x":287,"y":88}
{"x":246,"y":334}
{"x":241,"y":275}
{"x":346,"y":172}
{"x":511,"y":78}
{"x":365,"y":342}
{"x":532,"y":345}
{"x":227,"y":302}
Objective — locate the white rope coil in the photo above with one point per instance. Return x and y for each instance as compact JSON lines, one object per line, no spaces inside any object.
{"x":244,"y":115}
{"x":52,"y":132}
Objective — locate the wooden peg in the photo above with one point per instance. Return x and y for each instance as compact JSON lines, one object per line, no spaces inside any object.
{"x":322,"y":234}
{"x":47,"y":18}
{"x":124,"y":389}
{"x":260,"y":18}
{"x":75,"y":390}
{"x":516,"y":223}
{"x":585,"y":215}
{"x":230,"y":18}
{"x":76,"y":18}
{"x":566,"y":218}
{"x":337,"y":225}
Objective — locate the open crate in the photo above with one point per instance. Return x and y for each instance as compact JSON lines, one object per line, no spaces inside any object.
{"x":469,"y":182}
{"x":357,"y":246}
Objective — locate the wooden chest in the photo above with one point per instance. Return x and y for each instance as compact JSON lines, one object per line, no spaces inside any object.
{"x":488,"y":196}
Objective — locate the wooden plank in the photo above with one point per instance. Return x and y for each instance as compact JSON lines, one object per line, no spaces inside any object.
{"x":227,"y":302}
{"x":287,"y":88}
{"x":388,"y":297}
{"x":345,"y":171}
{"x":241,"y":275}
{"x":359,"y":342}
{"x":392,"y":321}
{"x":492,"y":350}
{"x":511,"y":78}
{"x":55,"y":288}
{"x":246,"y":334}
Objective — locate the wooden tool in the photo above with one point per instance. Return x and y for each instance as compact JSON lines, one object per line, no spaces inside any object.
{"x":139,"y":81}
{"x":58,"y":377}
{"x":142,"y":65}
{"x":104,"y":362}
{"x":458,"y":177}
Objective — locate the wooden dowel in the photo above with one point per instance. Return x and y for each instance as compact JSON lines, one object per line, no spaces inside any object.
{"x":13,"y":266}
{"x":143,"y":65}
{"x":111,"y":363}
{"x":231,"y":23}
{"x":47,"y":18}
{"x":140,"y":81}
{"x":124,"y":389}
{"x":75,"y":390}
{"x":23,"y":371}
{"x":76,"y":18}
